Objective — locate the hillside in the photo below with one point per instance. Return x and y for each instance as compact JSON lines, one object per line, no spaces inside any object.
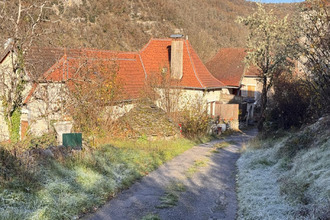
{"x":287,"y":177}
{"x":127,"y":25}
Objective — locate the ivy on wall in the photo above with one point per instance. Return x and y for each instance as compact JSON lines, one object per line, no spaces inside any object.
{"x":14,"y":125}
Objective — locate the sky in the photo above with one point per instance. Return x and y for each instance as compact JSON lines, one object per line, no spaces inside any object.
{"x":278,"y":1}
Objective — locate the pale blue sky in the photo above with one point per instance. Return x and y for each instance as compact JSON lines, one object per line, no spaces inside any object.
{"x":277,"y":1}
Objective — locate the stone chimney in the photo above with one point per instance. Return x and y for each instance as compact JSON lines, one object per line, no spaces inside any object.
{"x":177,"y":56}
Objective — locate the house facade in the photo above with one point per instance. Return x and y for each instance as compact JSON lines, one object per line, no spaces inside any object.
{"x":55,"y":70}
{"x":243,"y":82}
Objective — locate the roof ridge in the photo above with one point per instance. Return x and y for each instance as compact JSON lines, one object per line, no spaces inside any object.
{"x":143,"y":67}
{"x":109,"y":51}
{"x":53,"y":66}
{"x":28,"y":97}
{"x":145,"y":46}
{"x":65,"y":49}
{"x":154,"y":39}
{"x":4,"y":54}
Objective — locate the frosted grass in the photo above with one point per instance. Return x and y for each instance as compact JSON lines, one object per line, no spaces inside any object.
{"x":258,"y":190}
{"x":78,"y":185}
{"x":262,"y":180}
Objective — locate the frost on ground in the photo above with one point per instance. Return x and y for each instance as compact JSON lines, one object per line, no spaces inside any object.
{"x":70,"y":187}
{"x":258,"y":190}
{"x":287,"y":178}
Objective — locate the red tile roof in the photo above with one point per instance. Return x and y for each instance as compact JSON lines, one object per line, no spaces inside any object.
{"x":127,"y":66}
{"x":155,"y":56}
{"x":252,"y":71}
{"x":39,"y":60}
{"x":229,"y":67}
{"x":133,"y":67}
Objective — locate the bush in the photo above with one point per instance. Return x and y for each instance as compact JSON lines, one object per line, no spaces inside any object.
{"x":194,"y":119}
{"x":289,"y":104}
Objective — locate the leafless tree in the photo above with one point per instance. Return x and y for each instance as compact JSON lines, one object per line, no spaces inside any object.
{"x":315,"y":35}
{"x":93,"y":89}
{"x":165,"y":91}
{"x":21,"y":23}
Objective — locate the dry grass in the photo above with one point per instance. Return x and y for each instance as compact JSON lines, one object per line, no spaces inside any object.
{"x":80,"y":182}
{"x":198,"y":164}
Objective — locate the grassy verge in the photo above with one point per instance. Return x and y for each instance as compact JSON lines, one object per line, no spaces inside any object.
{"x":287,"y":177}
{"x":80,"y":182}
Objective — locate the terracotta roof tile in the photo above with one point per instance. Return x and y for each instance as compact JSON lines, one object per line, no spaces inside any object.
{"x":155,"y":56}
{"x":229,"y":67}
{"x":39,"y":60}
{"x":205,"y":77}
{"x":132,"y":67}
{"x":252,"y":71}
{"x":32,"y":90}
{"x":127,"y":66}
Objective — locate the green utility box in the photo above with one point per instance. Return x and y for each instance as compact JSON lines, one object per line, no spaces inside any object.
{"x":72,"y":139}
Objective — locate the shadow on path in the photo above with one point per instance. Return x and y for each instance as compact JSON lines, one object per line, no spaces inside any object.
{"x":209,"y":192}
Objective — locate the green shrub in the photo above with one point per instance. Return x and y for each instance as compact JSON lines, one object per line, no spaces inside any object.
{"x":17,"y":170}
{"x":151,"y":217}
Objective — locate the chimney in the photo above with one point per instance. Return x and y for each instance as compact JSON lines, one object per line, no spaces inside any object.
{"x":177,"y":56}
{"x":8,"y":42}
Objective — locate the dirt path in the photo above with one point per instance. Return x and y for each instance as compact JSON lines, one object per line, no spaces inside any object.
{"x":198,"y":184}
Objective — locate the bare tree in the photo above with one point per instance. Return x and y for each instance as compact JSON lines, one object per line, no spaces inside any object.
{"x":20,"y":23}
{"x":165,"y":91}
{"x":93,"y":89}
{"x":315,"y":39}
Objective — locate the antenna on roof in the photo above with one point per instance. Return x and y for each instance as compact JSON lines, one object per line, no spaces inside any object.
{"x":176,"y":36}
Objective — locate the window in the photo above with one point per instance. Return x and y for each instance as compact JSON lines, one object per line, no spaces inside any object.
{"x":248,"y":91}
{"x":251,"y":91}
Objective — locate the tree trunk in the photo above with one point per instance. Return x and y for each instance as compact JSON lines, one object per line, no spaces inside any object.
{"x":263,"y":105}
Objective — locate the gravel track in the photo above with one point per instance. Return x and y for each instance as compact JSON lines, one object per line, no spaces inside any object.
{"x":208,"y":177}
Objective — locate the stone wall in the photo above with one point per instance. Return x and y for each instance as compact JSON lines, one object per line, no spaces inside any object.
{"x":46,"y":105}
{"x":184,"y":97}
{"x":115,"y":112}
{"x":181,"y":98}
{"x":6,"y":67}
{"x":251,"y":81}
{"x":4,"y":133}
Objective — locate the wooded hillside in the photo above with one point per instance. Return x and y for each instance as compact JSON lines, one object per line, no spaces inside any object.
{"x":127,"y":25}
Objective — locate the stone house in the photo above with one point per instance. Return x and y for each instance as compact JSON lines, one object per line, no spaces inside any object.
{"x":37,"y":62}
{"x":242,"y":81}
{"x":54,"y":69}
